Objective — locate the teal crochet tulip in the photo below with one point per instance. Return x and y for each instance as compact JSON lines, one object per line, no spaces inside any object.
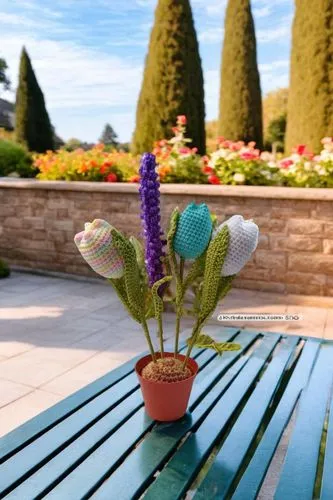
{"x":194,"y":231}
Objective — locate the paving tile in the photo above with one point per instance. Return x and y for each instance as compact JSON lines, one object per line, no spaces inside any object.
{"x":87,"y":372}
{"x":10,"y":391}
{"x":13,"y":348}
{"x":25,"y":408}
{"x":328,"y":329}
{"x":42,"y":364}
{"x":312,"y":323}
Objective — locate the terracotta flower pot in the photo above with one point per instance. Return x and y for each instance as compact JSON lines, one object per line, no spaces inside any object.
{"x":166,"y":401}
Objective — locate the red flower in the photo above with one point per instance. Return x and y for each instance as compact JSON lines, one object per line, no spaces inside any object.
{"x":134,"y":178}
{"x":184,"y":150}
{"x":175,"y":130}
{"x":286,"y":163}
{"x":250,"y":155}
{"x":300,"y":149}
{"x":181,"y":119}
{"x":111,"y":177}
{"x":213,"y":179}
{"x":194,"y":150}
{"x":207,"y":170}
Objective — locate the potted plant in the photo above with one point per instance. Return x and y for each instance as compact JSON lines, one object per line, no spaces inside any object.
{"x":140,"y":277}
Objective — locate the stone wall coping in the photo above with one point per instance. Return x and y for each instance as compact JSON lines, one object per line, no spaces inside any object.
{"x":273,"y":192}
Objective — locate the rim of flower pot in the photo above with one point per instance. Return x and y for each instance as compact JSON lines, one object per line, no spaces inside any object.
{"x":168,"y":355}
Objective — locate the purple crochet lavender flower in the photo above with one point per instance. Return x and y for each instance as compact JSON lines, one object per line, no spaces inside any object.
{"x":151,"y":217}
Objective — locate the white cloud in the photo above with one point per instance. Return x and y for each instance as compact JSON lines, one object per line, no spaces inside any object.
{"x":268,"y":35}
{"x":261,"y":12}
{"x":211,"y":35}
{"x":75,"y":77}
{"x":269,"y":67}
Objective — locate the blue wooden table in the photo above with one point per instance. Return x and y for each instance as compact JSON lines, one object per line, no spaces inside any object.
{"x":100,"y":444}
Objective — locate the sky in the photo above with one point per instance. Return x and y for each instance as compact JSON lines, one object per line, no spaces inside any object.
{"x":88,"y":55}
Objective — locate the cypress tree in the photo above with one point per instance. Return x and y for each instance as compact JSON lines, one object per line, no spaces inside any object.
{"x":240,"y":98}
{"x":310,"y":103}
{"x":32,"y":123}
{"x":173,"y":81}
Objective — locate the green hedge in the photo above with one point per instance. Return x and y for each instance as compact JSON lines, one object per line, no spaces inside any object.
{"x":4,"y":269}
{"x":14,"y":158}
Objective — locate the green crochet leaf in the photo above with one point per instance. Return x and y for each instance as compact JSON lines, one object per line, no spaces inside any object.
{"x":139,"y":252}
{"x":170,"y":237}
{"x":225,"y":286}
{"x":206,"y":342}
{"x":216,"y":253}
{"x":157,"y":300}
{"x":132,"y":278}
{"x":119,"y":286}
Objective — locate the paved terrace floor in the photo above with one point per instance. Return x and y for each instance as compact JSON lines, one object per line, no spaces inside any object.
{"x":57,"y":335}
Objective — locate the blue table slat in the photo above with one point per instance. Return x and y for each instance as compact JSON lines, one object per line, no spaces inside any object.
{"x":229,"y":459}
{"x":254,"y":475}
{"x":299,"y":470}
{"x":57,"y":467}
{"x":177,"y":475}
{"x":52,"y":440}
{"x":327,"y":480}
{"x":99,"y":443}
{"x":17,"y":438}
{"x":105,"y":458}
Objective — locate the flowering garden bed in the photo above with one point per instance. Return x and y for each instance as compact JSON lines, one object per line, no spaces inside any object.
{"x":233,"y":163}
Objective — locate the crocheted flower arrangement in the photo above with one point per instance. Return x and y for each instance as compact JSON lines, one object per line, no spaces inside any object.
{"x":140,"y":276}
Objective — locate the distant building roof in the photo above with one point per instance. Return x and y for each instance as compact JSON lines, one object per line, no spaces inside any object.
{"x":7,"y":114}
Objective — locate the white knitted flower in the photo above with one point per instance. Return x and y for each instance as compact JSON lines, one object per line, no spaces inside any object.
{"x":243,"y":241}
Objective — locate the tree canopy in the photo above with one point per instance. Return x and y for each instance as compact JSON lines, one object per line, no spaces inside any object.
{"x":173,"y":80}
{"x":32,"y":124}
{"x":240,"y":96}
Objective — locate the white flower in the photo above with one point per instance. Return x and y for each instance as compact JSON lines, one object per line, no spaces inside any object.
{"x":267,"y":156}
{"x":266,"y":173}
{"x":307,"y":166}
{"x":239,"y":178}
{"x":271,"y":164}
{"x":296,"y":158}
{"x":243,"y":241}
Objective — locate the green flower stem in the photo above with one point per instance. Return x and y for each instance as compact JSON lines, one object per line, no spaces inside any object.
{"x":147,"y":335}
{"x":194,"y":336}
{"x":160,"y":335}
{"x":179,"y":296}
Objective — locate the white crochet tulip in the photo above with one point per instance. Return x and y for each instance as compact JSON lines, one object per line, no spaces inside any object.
{"x":243,"y":241}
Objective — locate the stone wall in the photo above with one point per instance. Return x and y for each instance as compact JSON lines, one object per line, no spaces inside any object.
{"x":295,"y":255}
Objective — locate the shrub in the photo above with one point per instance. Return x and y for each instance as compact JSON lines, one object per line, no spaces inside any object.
{"x":177,"y":162}
{"x":239,"y":163}
{"x":96,"y":164}
{"x":15,"y":159}
{"x":303,"y":169}
{"x":4,"y":269}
